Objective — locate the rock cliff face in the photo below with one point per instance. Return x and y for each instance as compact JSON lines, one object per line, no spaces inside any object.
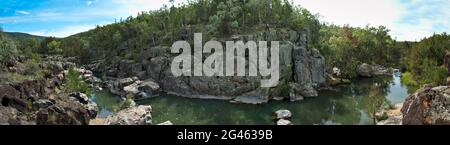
{"x":298,"y":64}
{"x":428,"y":106}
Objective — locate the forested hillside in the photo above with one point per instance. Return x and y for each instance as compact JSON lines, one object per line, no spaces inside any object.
{"x":344,"y":47}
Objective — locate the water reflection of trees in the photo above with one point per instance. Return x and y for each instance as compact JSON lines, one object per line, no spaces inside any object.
{"x":363,"y":96}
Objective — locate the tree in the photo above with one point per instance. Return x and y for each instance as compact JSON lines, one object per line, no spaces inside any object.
{"x":225,"y":21}
{"x":8,"y":49}
{"x":54,"y":47}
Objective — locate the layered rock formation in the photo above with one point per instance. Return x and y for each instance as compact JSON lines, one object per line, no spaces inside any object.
{"x":37,"y":102}
{"x":304,"y":67}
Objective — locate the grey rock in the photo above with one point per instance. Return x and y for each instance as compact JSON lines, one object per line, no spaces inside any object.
{"x":283,"y":114}
{"x":305,"y":90}
{"x":140,"y":115}
{"x":366,"y":70}
{"x":166,"y":123}
{"x":81,"y":97}
{"x":43,"y":103}
{"x":255,"y":100}
{"x":428,"y":106}
{"x":284,"y":122}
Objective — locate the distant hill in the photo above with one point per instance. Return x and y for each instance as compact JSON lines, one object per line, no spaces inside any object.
{"x":18,"y":35}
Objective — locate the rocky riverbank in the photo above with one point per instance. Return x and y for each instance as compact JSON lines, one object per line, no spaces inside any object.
{"x":302,"y":74}
{"x":427,"y":106}
{"x":42,"y":102}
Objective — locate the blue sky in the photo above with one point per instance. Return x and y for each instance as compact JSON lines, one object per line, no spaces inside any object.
{"x":407,"y":19}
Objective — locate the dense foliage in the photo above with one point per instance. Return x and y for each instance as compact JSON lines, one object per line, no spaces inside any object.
{"x":218,"y":18}
{"x":344,"y":47}
{"x":424,"y":60}
{"x":8,"y":49}
{"x":347,"y":47}
{"x":74,"y":82}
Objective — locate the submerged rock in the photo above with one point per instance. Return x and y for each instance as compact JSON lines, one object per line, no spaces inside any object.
{"x":140,"y":115}
{"x":298,"y":92}
{"x":166,"y":123}
{"x":251,"y":100}
{"x":284,"y":122}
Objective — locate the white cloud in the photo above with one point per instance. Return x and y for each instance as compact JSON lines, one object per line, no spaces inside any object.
{"x":23,"y":12}
{"x":64,"y":31}
{"x":354,"y":12}
{"x":133,"y":7}
{"x":89,"y":3}
{"x":389,"y":13}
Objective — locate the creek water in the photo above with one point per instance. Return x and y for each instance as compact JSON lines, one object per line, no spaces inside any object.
{"x":346,"y":104}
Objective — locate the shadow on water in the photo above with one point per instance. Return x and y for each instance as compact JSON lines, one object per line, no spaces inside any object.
{"x":348,"y":104}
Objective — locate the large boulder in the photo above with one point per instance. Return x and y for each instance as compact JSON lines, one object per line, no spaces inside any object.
{"x":138,"y":89}
{"x":59,"y":115}
{"x":148,"y":89}
{"x":305,"y":90}
{"x":7,"y":115}
{"x":7,"y":90}
{"x":140,"y":115}
{"x":283,"y":114}
{"x":367,"y":70}
{"x":428,"y":106}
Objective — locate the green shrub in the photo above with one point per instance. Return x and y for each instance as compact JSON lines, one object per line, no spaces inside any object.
{"x":75,"y":83}
{"x":32,"y":68}
{"x":407,"y":79}
{"x":128,"y":102}
{"x":8,"y":49}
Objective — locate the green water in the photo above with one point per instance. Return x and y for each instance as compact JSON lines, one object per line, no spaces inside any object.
{"x":348,"y":104}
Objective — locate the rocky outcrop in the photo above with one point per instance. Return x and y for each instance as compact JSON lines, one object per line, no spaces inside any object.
{"x":140,"y":115}
{"x":366,"y":70}
{"x":36,"y":97}
{"x":428,"y":106}
{"x":298,"y":64}
{"x":135,"y":87}
{"x":309,"y":64}
{"x":38,"y":102}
